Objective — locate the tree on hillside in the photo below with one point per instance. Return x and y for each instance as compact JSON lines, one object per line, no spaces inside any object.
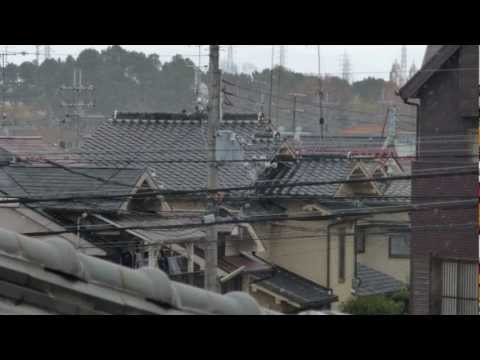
{"x":369,"y":89}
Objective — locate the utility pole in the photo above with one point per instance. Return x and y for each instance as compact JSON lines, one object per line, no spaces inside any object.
{"x":4,"y":63}
{"x":214,"y":113}
{"x":4,"y":86}
{"x":75,"y":108}
{"x":320,"y":92}
{"x":271,"y":84}
{"x":198,"y":75}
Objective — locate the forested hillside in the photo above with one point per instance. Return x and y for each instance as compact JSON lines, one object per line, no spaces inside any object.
{"x":132,"y":81}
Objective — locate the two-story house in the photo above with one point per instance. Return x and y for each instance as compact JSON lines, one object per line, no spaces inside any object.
{"x":444,"y":264}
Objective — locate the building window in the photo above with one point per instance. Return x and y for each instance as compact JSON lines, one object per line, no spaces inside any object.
{"x":399,"y":246}
{"x":459,"y":288}
{"x":341,"y":255}
{"x":360,"y":241}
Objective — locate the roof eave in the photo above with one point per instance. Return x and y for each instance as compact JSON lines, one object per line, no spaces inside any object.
{"x":411,"y":89}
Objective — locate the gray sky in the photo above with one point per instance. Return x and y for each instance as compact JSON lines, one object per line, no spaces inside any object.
{"x":366,"y":60}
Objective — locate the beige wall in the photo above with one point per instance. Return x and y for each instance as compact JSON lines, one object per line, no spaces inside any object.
{"x":186,"y":204}
{"x":307,"y":256}
{"x":301,"y":247}
{"x":376,"y":253}
{"x":297,"y":247}
{"x":376,"y":256}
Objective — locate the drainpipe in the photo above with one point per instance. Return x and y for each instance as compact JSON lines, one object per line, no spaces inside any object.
{"x":355,"y":250}
{"x":417,"y":125}
{"x":329,"y":226}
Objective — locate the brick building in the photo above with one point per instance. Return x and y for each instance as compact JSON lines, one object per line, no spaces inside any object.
{"x":444,"y":264}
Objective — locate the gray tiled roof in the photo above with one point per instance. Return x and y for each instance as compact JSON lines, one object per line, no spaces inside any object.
{"x":323,"y":169}
{"x":373,"y":282}
{"x":295,"y":288}
{"x":341,"y":144}
{"x":52,"y":276}
{"x":149,"y":143}
{"x":319,"y":169}
{"x":46,"y":181}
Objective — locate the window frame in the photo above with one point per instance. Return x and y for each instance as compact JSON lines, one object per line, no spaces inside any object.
{"x":393,"y":256}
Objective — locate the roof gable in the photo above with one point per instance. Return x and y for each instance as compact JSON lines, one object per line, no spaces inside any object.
{"x":359,"y":171}
{"x":51,"y":181}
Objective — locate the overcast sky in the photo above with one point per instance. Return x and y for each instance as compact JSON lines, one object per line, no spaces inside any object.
{"x":366,"y":60}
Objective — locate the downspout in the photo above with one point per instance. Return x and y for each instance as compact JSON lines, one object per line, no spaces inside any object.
{"x":417,"y":125}
{"x":329,"y":226}
{"x":355,"y":250}
{"x":417,"y":144}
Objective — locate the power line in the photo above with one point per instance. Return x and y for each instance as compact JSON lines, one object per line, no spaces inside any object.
{"x":257,"y":187}
{"x":344,"y":109}
{"x":303,"y":145}
{"x":108,"y":228}
{"x":310,"y":238}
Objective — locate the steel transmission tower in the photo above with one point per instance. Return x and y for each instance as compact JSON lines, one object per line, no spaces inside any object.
{"x":48,"y":51}
{"x":230,"y":63}
{"x":403,"y":66}
{"x":283,"y":56}
{"x":37,"y":54}
{"x":346,"y":67}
